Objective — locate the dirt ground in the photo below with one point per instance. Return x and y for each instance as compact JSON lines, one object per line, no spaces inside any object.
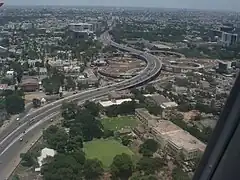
{"x":30,"y":96}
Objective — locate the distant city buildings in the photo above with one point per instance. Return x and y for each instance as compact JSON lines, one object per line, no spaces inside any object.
{"x":81,"y":30}
{"x":228,"y":39}
{"x":225,"y":35}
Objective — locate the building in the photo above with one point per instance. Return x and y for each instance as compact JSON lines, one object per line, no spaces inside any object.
{"x":29,"y":85}
{"x":166,"y":107}
{"x":78,"y":27}
{"x":79,"y":31}
{"x":99,"y":62}
{"x":176,"y":141}
{"x":120,"y":94}
{"x":156,"y":99}
{"x":143,"y":115}
{"x":26,"y":26}
{"x":114,"y":102}
{"x":224,"y":66}
{"x":10,"y":74}
{"x":228,"y":39}
{"x":172,"y":139}
{"x":79,"y":35}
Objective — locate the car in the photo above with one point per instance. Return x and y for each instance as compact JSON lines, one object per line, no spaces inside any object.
{"x":51,"y":120}
{"x":17,"y":119}
{"x":20,"y":139}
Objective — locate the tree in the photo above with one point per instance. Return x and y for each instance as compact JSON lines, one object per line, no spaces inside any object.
{"x":15,"y":177}
{"x":14,"y":104}
{"x":75,"y":144}
{"x":62,"y":167}
{"x":123,"y":109}
{"x":8,"y":81}
{"x":150,"y":89}
{"x":25,"y":66}
{"x":149,"y":147}
{"x":51,"y":85}
{"x":89,"y":126}
{"x":69,"y":112}
{"x":178,"y":174}
{"x":108,"y":133}
{"x":122,"y":166}
{"x":149,"y":165}
{"x":126,"y":140}
{"x":79,"y":156}
{"x":92,"y":108}
{"x":70,"y":83}
{"x":144,"y":177}
{"x":93,"y":169}
{"x":36,"y":103}
{"x":56,"y":138}
{"x":16,"y":66}
{"x":153,"y":109}
{"x":27,"y":159}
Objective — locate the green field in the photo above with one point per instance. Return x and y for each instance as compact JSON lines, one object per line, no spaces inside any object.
{"x":105,"y":150}
{"x":117,"y":123}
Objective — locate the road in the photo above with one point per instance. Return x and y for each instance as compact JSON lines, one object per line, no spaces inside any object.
{"x":11,"y":147}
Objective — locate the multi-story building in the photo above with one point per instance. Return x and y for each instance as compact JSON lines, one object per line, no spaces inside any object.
{"x":224,"y":66}
{"x":81,"y":27}
{"x":172,"y":139}
{"x":228,"y":39}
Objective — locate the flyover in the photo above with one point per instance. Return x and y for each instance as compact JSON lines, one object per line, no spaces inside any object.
{"x":10,"y":147}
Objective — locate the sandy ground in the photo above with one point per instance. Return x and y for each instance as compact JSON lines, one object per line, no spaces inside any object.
{"x":30,"y":96}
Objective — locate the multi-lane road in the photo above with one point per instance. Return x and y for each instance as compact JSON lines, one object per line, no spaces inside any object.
{"x":32,"y":124}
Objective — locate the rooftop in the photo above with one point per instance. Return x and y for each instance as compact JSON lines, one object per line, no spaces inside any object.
{"x":117,"y":102}
{"x":80,"y":24}
{"x":178,"y":136}
{"x":169,"y":105}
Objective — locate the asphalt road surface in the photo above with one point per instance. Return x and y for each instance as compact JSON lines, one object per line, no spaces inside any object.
{"x":11,"y":147}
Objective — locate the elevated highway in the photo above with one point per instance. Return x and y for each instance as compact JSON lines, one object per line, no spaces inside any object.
{"x":11,"y":147}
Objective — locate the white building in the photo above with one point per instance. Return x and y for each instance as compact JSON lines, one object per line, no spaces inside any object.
{"x":46,"y":152}
{"x":114,"y":102}
{"x":10,"y":74}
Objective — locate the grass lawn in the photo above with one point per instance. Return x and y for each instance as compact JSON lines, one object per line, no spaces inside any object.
{"x":105,"y":150}
{"x":117,"y":123}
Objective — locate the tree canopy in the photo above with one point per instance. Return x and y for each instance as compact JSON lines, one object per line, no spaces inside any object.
{"x":14,"y":104}
{"x":62,"y":167}
{"x":56,"y":138}
{"x":122,"y":166}
{"x":27,"y":159}
{"x":93,"y":169}
{"x":93,"y":108}
{"x":149,"y":165}
{"x":149,"y":147}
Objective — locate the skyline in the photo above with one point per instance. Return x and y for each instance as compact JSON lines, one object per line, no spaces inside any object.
{"x":231,"y":5}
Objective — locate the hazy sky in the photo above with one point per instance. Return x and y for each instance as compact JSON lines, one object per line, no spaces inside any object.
{"x":195,"y":4}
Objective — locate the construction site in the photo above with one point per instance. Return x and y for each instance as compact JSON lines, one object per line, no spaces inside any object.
{"x":121,"y":67}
